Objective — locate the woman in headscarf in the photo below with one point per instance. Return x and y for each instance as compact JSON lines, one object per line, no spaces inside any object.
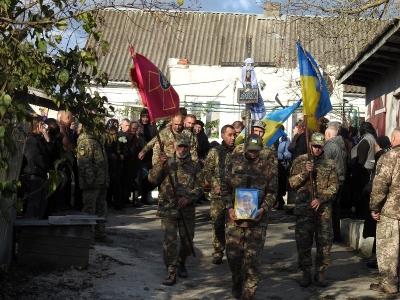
{"x":202,"y":141}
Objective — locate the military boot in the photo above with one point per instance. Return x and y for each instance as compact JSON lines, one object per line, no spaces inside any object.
{"x":319,"y":277}
{"x":171,"y":278}
{"x":182,"y":272}
{"x":305,"y":281}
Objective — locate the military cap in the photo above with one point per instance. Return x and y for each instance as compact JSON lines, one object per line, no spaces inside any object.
{"x":258,"y":123}
{"x":253,"y":142}
{"x":182,"y":140}
{"x":317,"y":139}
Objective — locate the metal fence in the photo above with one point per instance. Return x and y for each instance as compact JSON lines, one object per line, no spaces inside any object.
{"x":13,"y":172}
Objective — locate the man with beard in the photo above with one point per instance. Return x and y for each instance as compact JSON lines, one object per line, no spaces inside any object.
{"x":319,"y":206}
{"x":214,"y":171}
{"x":189,"y":185}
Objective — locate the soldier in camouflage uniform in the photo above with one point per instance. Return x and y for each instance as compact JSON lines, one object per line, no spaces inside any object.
{"x":325,"y":172}
{"x":188,"y":124}
{"x":268,"y":152}
{"x":167,"y":136}
{"x":93,"y":180}
{"x":213,"y":171}
{"x":245,"y":238}
{"x":385,"y":208}
{"x":189,"y":184}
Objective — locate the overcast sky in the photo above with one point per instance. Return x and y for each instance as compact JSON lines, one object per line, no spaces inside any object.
{"x":240,"y":6}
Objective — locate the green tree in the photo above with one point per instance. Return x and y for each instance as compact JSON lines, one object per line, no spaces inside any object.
{"x":40,"y":48}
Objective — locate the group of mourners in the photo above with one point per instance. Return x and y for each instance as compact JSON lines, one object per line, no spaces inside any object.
{"x":322,"y":171}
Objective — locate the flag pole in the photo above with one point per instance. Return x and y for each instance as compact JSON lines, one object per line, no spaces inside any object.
{"x":175,"y":193}
{"x":313,"y":192}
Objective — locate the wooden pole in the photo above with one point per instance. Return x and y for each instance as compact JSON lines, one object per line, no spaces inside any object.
{"x":313,"y":192}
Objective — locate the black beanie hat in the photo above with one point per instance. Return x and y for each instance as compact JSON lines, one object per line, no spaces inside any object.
{"x":383,"y":141}
{"x":144,"y":111}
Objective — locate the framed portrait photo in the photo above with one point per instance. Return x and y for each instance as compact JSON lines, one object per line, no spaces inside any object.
{"x":246,"y":203}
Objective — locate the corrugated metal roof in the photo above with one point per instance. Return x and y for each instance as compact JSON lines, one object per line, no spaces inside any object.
{"x":211,"y":38}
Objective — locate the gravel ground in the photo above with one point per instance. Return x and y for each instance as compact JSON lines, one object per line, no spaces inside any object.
{"x":132,"y":267}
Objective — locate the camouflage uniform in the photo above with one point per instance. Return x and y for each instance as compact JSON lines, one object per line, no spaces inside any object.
{"x":189,"y":183}
{"x":245,"y":238}
{"x":326,"y":182}
{"x":385,"y":200}
{"x":268,"y":152}
{"x":168,"y":139}
{"x":93,"y":177}
{"x":213,"y":171}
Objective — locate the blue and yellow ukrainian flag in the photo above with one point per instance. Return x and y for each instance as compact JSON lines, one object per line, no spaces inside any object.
{"x":316,"y":102}
{"x":273,"y":122}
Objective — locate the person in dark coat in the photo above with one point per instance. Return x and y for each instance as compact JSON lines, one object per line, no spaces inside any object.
{"x":114,"y":158}
{"x":382,"y":145}
{"x":36,"y":168}
{"x":202,"y":141}
{"x":147,"y":131}
{"x":298,"y":146}
{"x":135,"y":145}
{"x":361,"y":165}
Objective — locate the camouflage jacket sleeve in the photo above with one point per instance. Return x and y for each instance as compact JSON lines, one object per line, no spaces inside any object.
{"x":157,"y":173}
{"x":382,"y":182}
{"x":197,"y":192}
{"x":150,"y":145}
{"x":156,"y":153}
{"x":327,"y":181}
{"x":298,"y":176}
{"x":227,"y":192}
{"x":209,"y":168}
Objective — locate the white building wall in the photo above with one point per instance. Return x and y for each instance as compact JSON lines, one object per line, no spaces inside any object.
{"x":215,"y":89}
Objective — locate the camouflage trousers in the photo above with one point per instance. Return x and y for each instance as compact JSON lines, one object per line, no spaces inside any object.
{"x":95,"y":203}
{"x":170,"y":226}
{"x":243,"y":251}
{"x":217,"y":212}
{"x":387,"y":251}
{"x":304,"y":240}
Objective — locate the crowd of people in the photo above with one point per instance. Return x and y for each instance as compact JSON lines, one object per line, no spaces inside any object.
{"x":327,"y":173}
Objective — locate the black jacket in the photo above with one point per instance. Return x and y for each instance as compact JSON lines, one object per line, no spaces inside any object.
{"x":298,"y":145}
{"x":37,"y":156}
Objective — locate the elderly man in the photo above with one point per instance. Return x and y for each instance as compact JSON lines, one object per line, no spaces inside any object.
{"x":245,"y":238}
{"x":384,"y":206}
{"x":214,"y":171}
{"x":336,"y":150}
{"x":189,"y":185}
{"x":314,"y":209}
